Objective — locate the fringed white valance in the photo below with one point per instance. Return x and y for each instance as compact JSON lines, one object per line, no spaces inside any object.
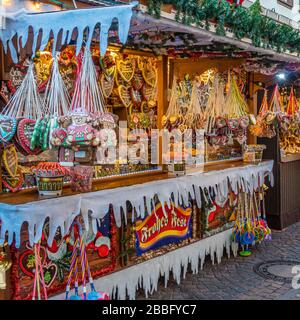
{"x":64,"y":23}
{"x":125,"y":283}
{"x":62,"y":211}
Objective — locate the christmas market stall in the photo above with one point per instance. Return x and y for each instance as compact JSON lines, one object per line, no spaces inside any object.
{"x":128,"y":149}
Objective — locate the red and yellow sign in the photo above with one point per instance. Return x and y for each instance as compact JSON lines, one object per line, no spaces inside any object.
{"x":159,"y":229}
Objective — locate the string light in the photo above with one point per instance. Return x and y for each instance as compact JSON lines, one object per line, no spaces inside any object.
{"x":6,"y":2}
{"x":37,"y":4}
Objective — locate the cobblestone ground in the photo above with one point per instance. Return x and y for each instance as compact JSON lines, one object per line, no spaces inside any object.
{"x":235,"y":279}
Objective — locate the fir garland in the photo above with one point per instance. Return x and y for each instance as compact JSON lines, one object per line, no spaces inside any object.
{"x":263,"y":31}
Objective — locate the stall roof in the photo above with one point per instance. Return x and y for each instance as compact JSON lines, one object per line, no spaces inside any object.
{"x":169,"y":33}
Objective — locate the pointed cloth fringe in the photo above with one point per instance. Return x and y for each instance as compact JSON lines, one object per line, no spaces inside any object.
{"x":63,"y":211}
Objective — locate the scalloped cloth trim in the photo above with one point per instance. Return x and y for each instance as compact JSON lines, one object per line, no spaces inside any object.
{"x":125,"y":283}
{"x":62,"y":211}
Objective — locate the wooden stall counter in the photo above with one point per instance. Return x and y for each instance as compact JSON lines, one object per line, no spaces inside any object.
{"x":31,"y":195}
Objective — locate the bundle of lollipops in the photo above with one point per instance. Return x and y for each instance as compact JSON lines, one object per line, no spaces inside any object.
{"x":226,"y":118}
{"x":290,"y":127}
{"x":272,"y":116}
{"x":184,"y":110}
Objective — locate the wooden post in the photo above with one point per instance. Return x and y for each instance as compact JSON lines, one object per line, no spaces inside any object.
{"x":162,"y":95}
{"x":252,"y":103}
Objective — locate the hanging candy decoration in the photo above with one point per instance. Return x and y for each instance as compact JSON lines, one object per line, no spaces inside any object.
{"x":38,"y":276}
{"x":57,"y":104}
{"x":251,"y":225}
{"x":215,"y":110}
{"x":292,"y":107}
{"x":79,"y":259}
{"x":43,"y":63}
{"x":289,"y":125}
{"x":27,"y":106}
{"x":26,"y":102}
{"x":276,"y":107}
{"x":87,"y":94}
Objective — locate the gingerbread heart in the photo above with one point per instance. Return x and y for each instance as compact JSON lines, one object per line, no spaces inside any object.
{"x":27,"y":261}
{"x":13,"y":184}
{"x":137,"y":81}
{"x":8,"y":128}
{"x":126,"y":69}
{"x":107,"y":85}
{"x":10,"y":160}
{"x":110,"y":72}
{"x":148,"y":92}
{"x":135,"y":97}
{"x":50,"y":272}
{"x":150,"y":74}
{"x":124,"y":94}
{"x":24,"y":134}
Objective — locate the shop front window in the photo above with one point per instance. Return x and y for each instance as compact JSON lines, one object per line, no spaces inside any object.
{"x":287,"y":3}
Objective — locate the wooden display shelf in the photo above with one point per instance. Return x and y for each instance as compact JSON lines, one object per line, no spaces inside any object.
{"x":290,"y":158}
{"x":31,"y":195}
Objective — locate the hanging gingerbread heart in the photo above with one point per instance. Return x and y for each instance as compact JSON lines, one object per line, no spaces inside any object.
{"x":126,"y":69}
{"x":25,"y":133}
{"x":50,"y":272}
{"x":145,"y":107}
{"x":148,"y":92}
{"x":135,"y":97}
{"x":124,"y":94}
{"x":10,"y":160}
{"x":107,"y":85}
{"x":43,"y":64}
{"x":137,"y":80}
{"x":13,"y":184}
{"x":150,"y":74}
{"x":110,"y":72}
{"x":27,"y":261}
{"x":8,"y":127}
{"x":16,"y":76}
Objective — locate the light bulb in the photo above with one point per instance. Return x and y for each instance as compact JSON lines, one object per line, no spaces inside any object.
{"x":37,"y":4}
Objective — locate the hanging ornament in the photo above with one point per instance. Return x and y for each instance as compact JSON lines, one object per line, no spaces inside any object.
{"x":15,"y":183}
{"x":124,"y":94}
{"x":10,"y":160}
{"x":126,"y":69}
{"x":39,"y":279}
{"x":8,"y":127}
{"x":149,"y":73}
{"x":43,"y":64}
{"x":80,"y":262}
{"x":107,"y":85}
{"x":26,"y":102}
{"x":87,"y":93}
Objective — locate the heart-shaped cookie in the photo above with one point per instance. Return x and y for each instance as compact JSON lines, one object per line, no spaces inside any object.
{"x":124,"y":94}
{"x":10,"y":160}
{"x":150,"y":74}
{"x":148,"y":92}
{"x":126,"y":69}
{"x":107,"y":85}
{"x":27,"y":261}
{"x":50,"y":272}
{"x":137,"y":80}
{"x":24,"y":136}
{"x":8,"y":128}
{"x":15,"y":183}
{"x":110,"y":72}
{"x":135,"y":97}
